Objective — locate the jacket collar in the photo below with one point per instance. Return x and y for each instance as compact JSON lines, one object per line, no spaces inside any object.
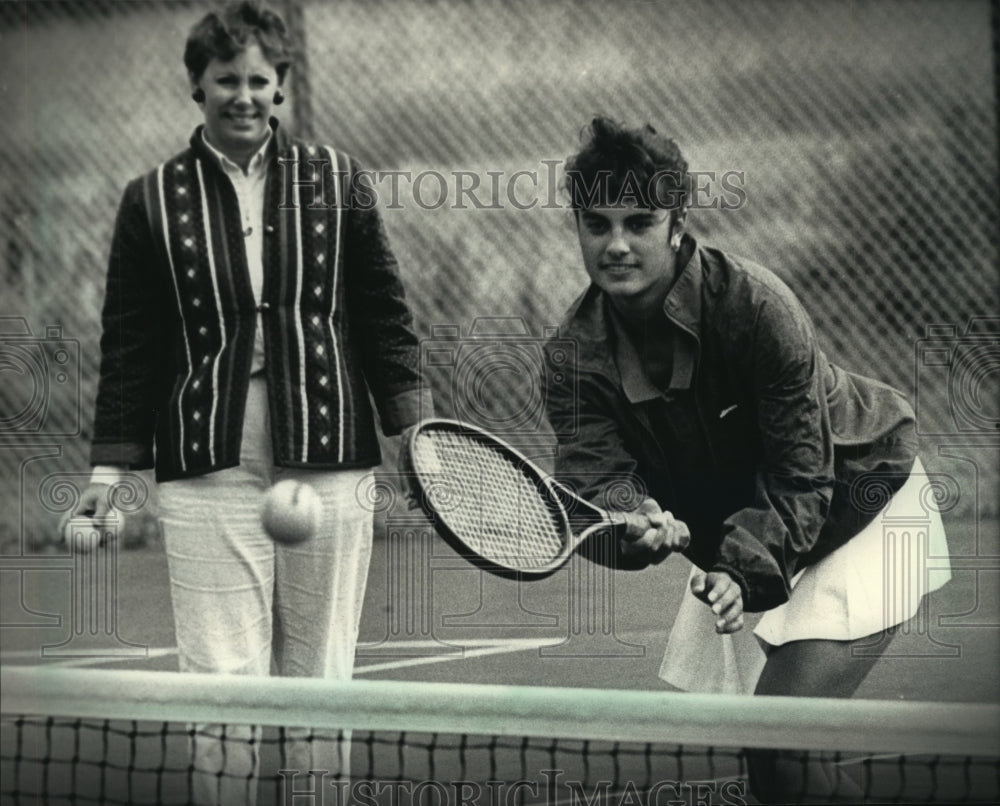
{"x":682,"y":305}
{"x":604,"y":346}
{"x":277,"y":143}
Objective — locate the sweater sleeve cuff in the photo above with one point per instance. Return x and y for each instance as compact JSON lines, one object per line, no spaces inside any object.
{"x":408,"y":408}
{"x":108,"y":474}
{"x":132,"y":455}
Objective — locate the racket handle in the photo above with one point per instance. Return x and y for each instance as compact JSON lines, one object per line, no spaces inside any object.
{"x":634,"y":524}
{"x":638,"y":521}
{"x":627,"y":527}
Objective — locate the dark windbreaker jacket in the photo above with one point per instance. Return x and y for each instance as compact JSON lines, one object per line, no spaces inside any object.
{"x":771,"y":454}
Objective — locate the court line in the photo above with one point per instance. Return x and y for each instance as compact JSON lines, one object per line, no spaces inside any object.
{"x":89,"y":660}
{"x":500,"y":646}
{"x":463,"y":649}
{"x":469,"y":648}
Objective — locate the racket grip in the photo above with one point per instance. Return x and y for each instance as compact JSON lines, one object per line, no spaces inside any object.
{"x":634,"y":524}
{"x":628,"y":528}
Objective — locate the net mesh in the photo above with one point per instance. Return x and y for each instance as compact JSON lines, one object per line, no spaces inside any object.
{"x":116,"y":762}
{"x":506,"y":745}
{"x":493,"y":503}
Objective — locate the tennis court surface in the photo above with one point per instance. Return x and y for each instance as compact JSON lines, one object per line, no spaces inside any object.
{"x":475,"y":690}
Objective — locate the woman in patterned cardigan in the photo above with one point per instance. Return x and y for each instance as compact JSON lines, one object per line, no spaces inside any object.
{"x":253,"y":307}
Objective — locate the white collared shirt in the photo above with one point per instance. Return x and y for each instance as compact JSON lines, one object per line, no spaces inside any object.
{"x":249,"y":187}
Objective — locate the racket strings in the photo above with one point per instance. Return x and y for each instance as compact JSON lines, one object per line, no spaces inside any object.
{"x":488,"y":500}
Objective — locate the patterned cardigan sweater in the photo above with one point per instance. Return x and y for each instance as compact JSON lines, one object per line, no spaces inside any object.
{"x":179,"y":318}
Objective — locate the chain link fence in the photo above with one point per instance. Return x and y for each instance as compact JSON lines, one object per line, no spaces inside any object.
{"x":850,"y":147}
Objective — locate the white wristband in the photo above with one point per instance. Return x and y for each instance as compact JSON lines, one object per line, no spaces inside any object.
{"x":108,"y":474}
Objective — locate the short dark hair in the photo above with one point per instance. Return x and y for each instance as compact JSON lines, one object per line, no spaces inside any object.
{"x":223,"y":34}
{"x":618,"y":164}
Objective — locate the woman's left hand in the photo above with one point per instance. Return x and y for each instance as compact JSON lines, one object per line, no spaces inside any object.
{"x":718,"y":590}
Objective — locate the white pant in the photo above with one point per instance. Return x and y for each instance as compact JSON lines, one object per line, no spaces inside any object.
{"x":239,"y":598}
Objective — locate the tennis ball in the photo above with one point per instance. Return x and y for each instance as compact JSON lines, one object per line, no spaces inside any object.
{"x":292,"y":512}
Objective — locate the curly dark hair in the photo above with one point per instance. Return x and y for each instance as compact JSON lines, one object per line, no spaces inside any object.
{"x":617,"y":164}
{"x":223,"y":34}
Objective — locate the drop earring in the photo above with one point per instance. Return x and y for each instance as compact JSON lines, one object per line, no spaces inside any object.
{"x":278,"y":98}
{"x":198,"y":96}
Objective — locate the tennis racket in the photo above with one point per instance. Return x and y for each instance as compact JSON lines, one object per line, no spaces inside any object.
{"x":495,"y":507}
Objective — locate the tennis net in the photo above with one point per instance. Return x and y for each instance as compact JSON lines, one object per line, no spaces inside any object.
{"x":128,"y":737}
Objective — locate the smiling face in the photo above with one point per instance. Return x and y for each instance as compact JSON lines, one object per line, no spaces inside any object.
{"x":626,"y":251}
{"x":239,"y":95}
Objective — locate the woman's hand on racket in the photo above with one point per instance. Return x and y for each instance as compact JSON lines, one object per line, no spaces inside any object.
{"x":720,"y":592}
{"x":651,"y":530}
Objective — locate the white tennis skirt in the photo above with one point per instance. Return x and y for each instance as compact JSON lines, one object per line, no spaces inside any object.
{"x":875,"y":581}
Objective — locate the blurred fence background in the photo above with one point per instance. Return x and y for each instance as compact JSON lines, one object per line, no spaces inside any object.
{"x":863,"y":136}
